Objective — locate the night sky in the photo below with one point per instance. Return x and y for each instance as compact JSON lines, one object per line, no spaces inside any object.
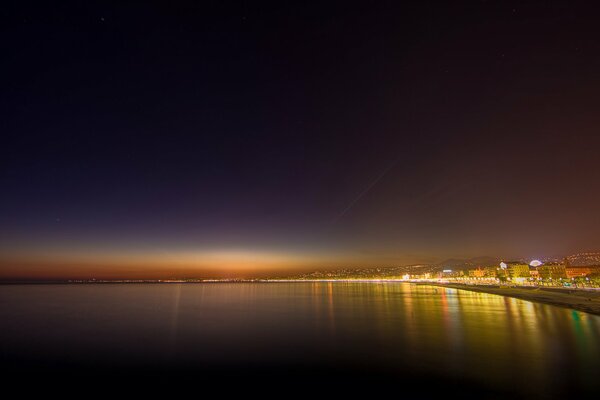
{"x":231,"y":139}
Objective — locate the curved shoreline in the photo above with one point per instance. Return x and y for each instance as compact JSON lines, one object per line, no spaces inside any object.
{"x":577,"y":299}
{"x":580,"y":300}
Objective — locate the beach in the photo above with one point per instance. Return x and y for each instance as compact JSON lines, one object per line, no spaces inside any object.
{"x":587,"y":300}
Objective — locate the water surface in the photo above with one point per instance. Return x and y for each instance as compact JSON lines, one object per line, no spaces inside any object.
{"x":407,"y":335}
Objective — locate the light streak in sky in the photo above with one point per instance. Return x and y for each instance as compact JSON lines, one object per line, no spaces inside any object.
{"x":366,"y":190}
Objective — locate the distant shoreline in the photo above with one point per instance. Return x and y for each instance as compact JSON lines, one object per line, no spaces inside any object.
{"x":581,"y":300}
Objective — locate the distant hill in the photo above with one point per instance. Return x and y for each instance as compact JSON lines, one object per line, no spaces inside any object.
{"x":584,"y":259}
{"x":458,"y":263}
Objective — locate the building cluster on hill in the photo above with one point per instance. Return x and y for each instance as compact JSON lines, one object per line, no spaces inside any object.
{"x":532,"y":273}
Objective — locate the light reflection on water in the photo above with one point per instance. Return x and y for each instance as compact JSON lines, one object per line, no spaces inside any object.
{"x":475,"y":336}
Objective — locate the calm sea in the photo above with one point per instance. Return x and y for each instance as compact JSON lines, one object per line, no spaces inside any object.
{"x":415,"y":339}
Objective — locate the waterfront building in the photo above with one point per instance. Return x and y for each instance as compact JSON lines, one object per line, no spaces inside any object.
{"x":552,"y":270}
{"x":519,"y":270}
{"x":476,"y":273}
{"x":575,"y":272}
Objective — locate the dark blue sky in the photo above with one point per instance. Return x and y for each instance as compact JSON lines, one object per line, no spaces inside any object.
{"x":335,"y":134}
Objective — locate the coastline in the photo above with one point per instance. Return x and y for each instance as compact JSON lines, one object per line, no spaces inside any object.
{"x":581,"y":300}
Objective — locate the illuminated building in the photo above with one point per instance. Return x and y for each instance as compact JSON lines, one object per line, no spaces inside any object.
{"x":534,"y":273}
{"x":552,"y":270}
{"x":476,"y":273}
{"x":575,"y":272}
{"x":516,"y":269}
{"x":519,"y":270}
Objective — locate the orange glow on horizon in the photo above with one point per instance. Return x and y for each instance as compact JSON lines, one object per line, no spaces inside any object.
{"x":56,"y":264}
